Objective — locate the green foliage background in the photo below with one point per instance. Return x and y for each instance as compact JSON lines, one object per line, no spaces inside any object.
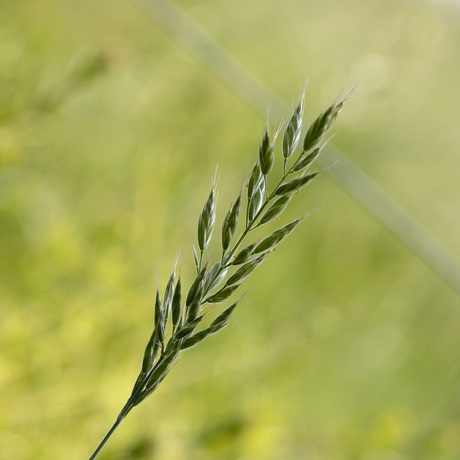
{"x":348,"y":345}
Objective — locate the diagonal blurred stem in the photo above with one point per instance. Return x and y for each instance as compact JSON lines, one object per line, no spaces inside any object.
{"x":191,"y":37}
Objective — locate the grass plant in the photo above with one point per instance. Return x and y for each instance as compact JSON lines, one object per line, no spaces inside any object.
{"x":177,"y":318}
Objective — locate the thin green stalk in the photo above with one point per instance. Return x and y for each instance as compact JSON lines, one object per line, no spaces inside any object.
{"x":106,"y":438}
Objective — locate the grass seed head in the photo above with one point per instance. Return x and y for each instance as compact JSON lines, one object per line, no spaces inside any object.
{"x":159,"y":357}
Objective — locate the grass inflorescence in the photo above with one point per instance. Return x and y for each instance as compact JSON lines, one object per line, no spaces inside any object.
{"x":216,"y":282}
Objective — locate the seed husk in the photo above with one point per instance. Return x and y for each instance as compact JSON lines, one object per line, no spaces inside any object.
{"x":176,"y":304}
{"x":223,"y":294}
{"x":230,"y":223}
{"x":266,"y":155}
{"x":186,"y":330}
{"x":256,"y":202}
{"x":218,"y":324}
{"x":275,"y":209}
{"x":196,"y":288}
{"x":255,"y":180}
{"x":276,"y":237}
{"x":223,"y":319}
{"x":195,"y":339}
{"x":291,"y":136}
{"x":320,"y":126}
{"x":169,"y":293}
{"x":159,"y":313}
{"x":215,"y":276}
{"x":244,"y":255}
{"x":294,"y":185}
{"x":206,"y":221}
{"x":244,"y":271}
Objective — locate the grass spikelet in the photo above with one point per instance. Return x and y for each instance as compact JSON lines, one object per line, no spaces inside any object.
{"x":182,"y":319}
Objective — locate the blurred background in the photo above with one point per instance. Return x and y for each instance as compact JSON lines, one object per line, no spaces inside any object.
{"x":348,"y":345}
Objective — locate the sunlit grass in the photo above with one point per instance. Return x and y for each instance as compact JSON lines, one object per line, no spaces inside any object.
{"x":362,"y":365}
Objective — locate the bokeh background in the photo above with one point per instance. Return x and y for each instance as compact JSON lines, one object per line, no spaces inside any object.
{"x":348,"y":345}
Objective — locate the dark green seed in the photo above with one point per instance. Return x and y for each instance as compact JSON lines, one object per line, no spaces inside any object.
{"x":195,"y":339}
{"x":223,"y":294}
{"x":244,"y":255}
{"x":159,"y":314}
{"x":276,"y":237}
{"x":292,"y":134}
{"x":244,"y":271}
{"x":266,"y":156}
{"x":169,"y":292}
{"x":255,"y":203}
{"x":215,"y":276}
{"x":196,"y":288}
{"x":319,"y":127}
{"x":255,"y":180}
{"x":176,"y":304}
{"x":275,"y":209}
{"x":206,"y":222}
{"x":223,"y":319}
{"x":186,"y":330}
{"x":294,"y":185}
{"x":307,"y":160}
{"x":230,"y":224}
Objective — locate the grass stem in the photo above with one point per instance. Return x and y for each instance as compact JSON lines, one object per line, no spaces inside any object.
{"x":106,"y":438}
